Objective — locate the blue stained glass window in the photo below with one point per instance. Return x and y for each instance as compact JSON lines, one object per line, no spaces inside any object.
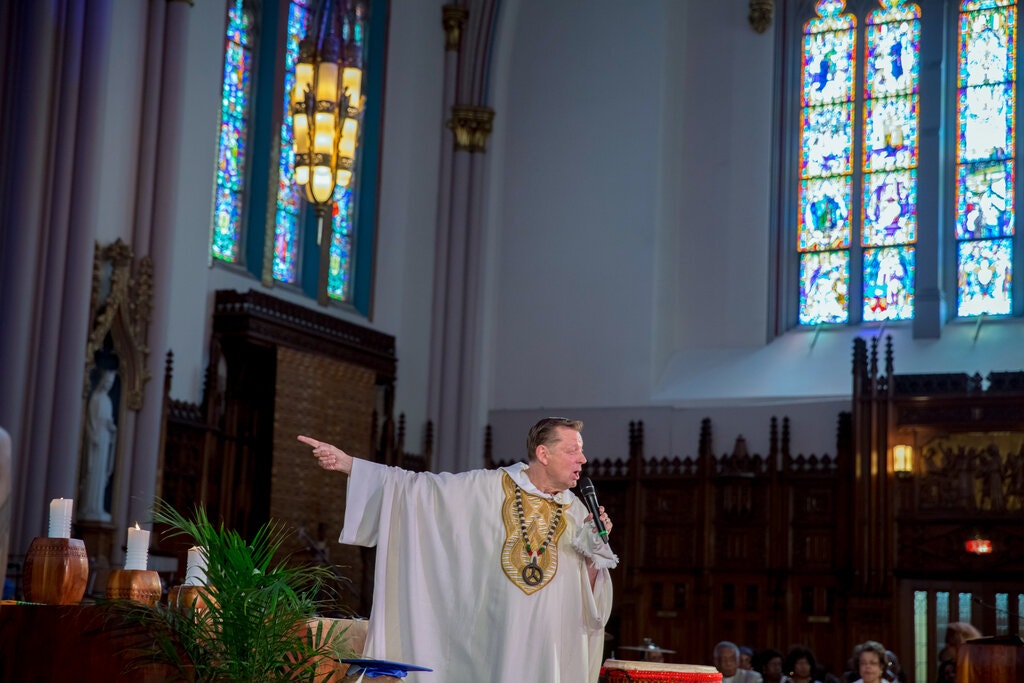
{"x":289,"y":206}
{"x":278,"y":240}
{"x":986,"y":150}
{"x":826,"y":149}
{"x":882,"y":120}
{"x":890,"y":151}
{"x":231,"y":152}
{"x":340,"y":263}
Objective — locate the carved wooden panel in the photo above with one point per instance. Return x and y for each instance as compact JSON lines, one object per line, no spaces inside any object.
{"x":332,"y":401}
{"x":677,"y":504}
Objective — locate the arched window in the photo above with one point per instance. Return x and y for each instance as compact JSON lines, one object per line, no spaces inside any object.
{"x":234,"y":128}
{"x":986,"y":132}
{"x":859,"y":235}
{"x":261,"y":220}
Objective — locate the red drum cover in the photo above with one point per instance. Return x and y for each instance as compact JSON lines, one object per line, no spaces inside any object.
{"x":616,"y":671}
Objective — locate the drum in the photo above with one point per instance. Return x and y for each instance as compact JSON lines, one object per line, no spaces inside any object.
{"x":615,"y":671}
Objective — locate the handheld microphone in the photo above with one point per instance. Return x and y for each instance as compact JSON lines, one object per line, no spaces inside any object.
{"x":590,"y":500}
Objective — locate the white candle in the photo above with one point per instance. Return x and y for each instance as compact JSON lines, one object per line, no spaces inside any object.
{"x":60,"y":518}
{"x":195,"y":572}
{"x":138,"y":548}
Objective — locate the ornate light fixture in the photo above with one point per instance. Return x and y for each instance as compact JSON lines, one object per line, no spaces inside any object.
{"x":903,"y":460}
{"x":327,"y":106}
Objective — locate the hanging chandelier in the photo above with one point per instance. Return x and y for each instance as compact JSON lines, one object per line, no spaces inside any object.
{"x":327,"y":105}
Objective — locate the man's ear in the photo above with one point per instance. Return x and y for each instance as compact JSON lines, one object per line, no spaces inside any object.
{"x":542,"y":454}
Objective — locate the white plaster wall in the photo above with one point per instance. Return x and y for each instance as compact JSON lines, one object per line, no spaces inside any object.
{"x":188,"y":333}
{"x":576,"y":229}
{"x":120,"y":123}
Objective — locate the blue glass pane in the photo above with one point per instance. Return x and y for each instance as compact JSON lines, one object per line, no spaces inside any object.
{"x":826,"y":140}
{"x":286,"y":224}
{"x":986,"y":122}
{"x":889,"y":201}
{"x":227,"y":219}
{"x":893,"y":45}
{"x":985,"y":268}
{"x":985,"y":201}
{"x":888,"y":284}
{"x":890,"y":136}
{"x":231,"y":148}
{"x":988,"y":47}
{"x":825,"y":287}
{"x":825,"y":213}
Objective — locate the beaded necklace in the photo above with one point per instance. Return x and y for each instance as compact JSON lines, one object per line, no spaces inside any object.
{"x":532,"y":573}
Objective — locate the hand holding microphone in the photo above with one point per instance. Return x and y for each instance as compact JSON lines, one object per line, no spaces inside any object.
{"x":589,"y":496}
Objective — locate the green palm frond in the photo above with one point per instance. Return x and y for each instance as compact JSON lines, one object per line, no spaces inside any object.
{"x":254,"y":626}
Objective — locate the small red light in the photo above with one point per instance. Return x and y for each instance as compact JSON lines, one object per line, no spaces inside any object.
{"x":979,"y":546}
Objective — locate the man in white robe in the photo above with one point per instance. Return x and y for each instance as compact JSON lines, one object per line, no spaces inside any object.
{"x":488,"y":575}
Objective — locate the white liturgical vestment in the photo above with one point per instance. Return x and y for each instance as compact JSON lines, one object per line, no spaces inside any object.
{"x":444,"y":596}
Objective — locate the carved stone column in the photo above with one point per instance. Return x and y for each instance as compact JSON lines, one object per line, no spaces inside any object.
{"x":457,"y":323}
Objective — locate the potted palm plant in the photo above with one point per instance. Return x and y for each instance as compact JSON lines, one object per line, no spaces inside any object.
{"x":252,"y":620}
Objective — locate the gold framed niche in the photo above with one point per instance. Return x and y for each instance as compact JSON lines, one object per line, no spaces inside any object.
{"x":120,"y":311}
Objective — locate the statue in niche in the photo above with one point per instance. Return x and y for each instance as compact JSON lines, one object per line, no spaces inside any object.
{"x":100,"y":450}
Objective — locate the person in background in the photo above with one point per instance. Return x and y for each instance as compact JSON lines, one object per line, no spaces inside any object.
{"x":799,"y":665}
{"x":894,"y":670}
{"x":871,"y":662}
{"x":957,"y":633}
{"x":727,"y":660}
{"x":768,"y":663}
{"x":746,"y":657}
{"x":852,"y":674}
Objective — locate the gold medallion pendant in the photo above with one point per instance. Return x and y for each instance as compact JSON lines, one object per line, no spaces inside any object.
{"x":533,"y":525}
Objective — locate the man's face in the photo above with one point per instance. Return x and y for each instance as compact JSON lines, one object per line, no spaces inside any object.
{"x":745,"y":662}
{"x":725,"y":661}
{"x":562,"y":458}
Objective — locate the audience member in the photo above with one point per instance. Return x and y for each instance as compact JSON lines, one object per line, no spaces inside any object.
{"x":894,"y":671}
{"x":947,"y":672}
{"x":768,"y":663}
{"x":727,"y":660}
{"x":746,"y":657}
{"x":871,"y":662}
{"x":957,"y":633}
{"x":852,"y":674}
{"x":799,"y":666}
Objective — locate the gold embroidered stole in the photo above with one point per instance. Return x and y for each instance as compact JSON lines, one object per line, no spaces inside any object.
{"x":538,"y":514}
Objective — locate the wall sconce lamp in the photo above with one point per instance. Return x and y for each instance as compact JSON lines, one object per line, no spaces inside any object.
{"x":903,"y":460}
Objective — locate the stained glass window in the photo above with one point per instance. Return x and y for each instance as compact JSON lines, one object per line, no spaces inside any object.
{"x":826,"y":154}
{"x":890,"y":150}
{"x":922,"y":660}
{"x":232,"y":146}
{"x":340,"y":262}
{"x":986,"y":136}
{"x":289,"y":195}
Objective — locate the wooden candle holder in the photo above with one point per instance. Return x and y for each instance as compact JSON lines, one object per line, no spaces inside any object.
{"x":189,"y":597}
{"x":56,"y":571}
{"x":140,"y":585}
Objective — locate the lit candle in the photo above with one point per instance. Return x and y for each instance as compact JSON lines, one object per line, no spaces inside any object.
{"x":138,"y":548}
{"x":195,"y":572}
{"x":60,"y":518}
